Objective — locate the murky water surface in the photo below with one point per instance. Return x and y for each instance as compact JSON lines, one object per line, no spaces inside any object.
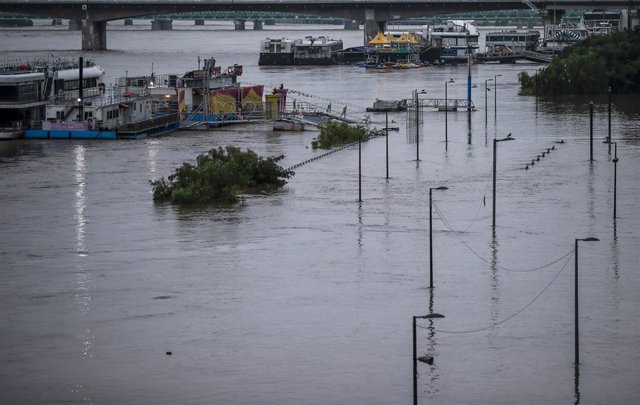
{"x":307,"y":296}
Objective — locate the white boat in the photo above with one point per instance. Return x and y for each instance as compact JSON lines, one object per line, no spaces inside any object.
{"x":78,"y":105}
{"x":451,"y":42}
{"x":22,"y":98}
{"x":307,"y":51}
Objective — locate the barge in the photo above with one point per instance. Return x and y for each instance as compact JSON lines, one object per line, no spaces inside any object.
{"x":307,"y":51}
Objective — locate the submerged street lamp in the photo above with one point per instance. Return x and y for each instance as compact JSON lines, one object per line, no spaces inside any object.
{"x":423,"y":359}
{"x":486,"y":107}
{"x":495,"y":155}
{"x":446,"y":109}
{"x":576,"y":322}
{"x":495,"y":96}
{"x":431,"y":233}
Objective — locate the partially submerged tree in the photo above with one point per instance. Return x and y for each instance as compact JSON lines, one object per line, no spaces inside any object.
{"x":338,"y":134}
{"x":220,"y":176}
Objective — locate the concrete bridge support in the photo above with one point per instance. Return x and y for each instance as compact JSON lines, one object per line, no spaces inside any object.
{"x":199,"y":21}
{"x":161,"y":25}
{"x":351,"y":25}
{"x":633,"y":18}
{"x":75,"y":25}
{"x":239,"y":25}
{"x":257,"y":25}
{"x":128,"y":21}
{"x":94,"y":35}
{"x":371,"y":25}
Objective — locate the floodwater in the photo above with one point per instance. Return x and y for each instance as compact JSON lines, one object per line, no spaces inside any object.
{"x":307,"y":296}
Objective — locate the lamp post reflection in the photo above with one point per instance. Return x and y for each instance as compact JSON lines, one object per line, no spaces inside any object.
{"x":486,"y":107}
{"x":424,"y":359}
{"x":576,"y":310}
{"x":431,"y":233}
{"x":495,"y":155}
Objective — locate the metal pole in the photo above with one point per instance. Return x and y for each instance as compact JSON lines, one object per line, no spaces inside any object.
{"x":577,"y":343}
{"x":415,"y":365}
{"x":609,"y":123}
{"x":417,"y":127}
{"x":485,"y":102}
{"x":360,"y":168}
{"x":495,"y":96}
{"x":430,"y":241}
{"x":80,"y":89}
{"x":495,"y":143}
{"x":609,"y":133}
{"x":591,"y":131}
{"x":386,"y":127}
{"x":446,"y":109}
{"x":615,"y":179}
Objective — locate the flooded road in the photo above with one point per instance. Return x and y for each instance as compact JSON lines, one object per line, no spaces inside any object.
{"x":306,"y":296}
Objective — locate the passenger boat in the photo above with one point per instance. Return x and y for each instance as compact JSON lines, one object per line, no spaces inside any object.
{"x":511,"y":41}
{"x":22,"y":98}
{"x":451,"y":42}
{"x":78,"y":105}
{"x":308,"y":51}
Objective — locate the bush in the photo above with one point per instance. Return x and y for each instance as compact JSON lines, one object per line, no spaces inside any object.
{"x":338,"y":134}
{"x":219,"y":176}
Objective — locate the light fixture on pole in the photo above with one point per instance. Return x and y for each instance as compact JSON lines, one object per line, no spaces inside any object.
{"x":495,"y":96}
{"x":415,"y":356}
{"x":446,"y":109}
{"x":431,"y":233}
{"x":576,"y":322}
{"x":486,"y":107}
{"x":495,"y":154}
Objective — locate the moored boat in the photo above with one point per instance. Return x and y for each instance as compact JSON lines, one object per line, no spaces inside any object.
{"x":307,"y":51}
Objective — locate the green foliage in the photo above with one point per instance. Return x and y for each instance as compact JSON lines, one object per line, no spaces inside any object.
{"x":590,"y":67}
{"x":219,"y":176}
{"x":337,"y":134}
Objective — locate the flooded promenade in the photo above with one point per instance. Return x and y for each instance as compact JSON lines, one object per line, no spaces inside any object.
{"x":307,"y":296}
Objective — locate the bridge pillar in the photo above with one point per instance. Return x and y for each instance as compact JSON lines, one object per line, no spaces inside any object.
{"x":239,"y":25}
{"x":633,"y":18}
{"x":94,"y":35}
{"x":352,"y":25}
{"x":199,"y":21}
{"x":552,"y":16}
{"x":75,"y":25}
{"x":161,"y":25}
{"x":128,"y":21}
{"x":371,"y":25}
{"x":269,"y":22}
{"x":257,"y":25}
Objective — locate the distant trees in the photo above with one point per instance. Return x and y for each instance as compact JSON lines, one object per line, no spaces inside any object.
{"x":590,"y":67}
{"x":219,"y":176}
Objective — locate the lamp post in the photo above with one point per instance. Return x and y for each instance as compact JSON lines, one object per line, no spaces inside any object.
{"x":360,"y":168}
{"x":486,"y":107}
{"x":495,"y":154}
{"x":446,"y":110}
{"x":431,"y":233}
{"x":418,"y":122}
{"x":577,"y":343}
{"x":495,"y":96}
{"x":415,"y":356}
{"x":609,"y":121}
{"x":615,"y":177}
{"x":591,"y":131}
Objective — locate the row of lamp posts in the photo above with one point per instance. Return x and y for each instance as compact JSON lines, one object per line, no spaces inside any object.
{"x":428,"y":359}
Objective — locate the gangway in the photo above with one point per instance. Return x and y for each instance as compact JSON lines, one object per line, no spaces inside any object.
{"x":452,"y":104}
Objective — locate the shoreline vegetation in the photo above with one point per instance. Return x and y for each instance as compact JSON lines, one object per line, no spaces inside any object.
{"x":220,"y":176}
{"x":592,"y":66}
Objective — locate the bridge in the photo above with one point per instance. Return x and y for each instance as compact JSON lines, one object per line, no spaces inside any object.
{"x":94,"y":14}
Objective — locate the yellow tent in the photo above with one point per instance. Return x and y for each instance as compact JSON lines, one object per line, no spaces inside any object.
{"x":379,"y":39}
{"x":403,"y":39}
{"x":411,"y":38}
